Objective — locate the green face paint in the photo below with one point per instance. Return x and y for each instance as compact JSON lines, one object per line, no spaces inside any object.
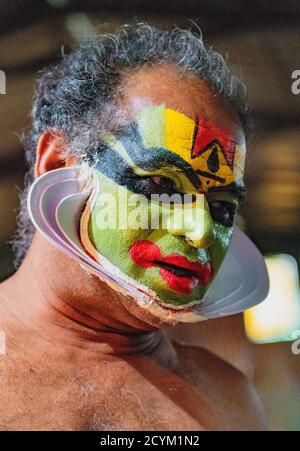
{"x":174,"y":249}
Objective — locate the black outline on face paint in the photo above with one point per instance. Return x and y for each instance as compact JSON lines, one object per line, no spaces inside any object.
{"x":212,"y":143}
{"x":113,"y":165}
{"x":153,"y":158}
{"x":238,"y":190}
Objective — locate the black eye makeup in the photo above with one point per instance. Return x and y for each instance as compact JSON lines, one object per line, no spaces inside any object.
{"x":165,"y":183}
{"x":223,"y":211}
{"x":156,"y":184}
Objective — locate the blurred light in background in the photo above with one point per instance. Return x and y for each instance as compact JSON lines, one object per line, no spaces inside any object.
{"x":80,"y":26}
{"x":278,"y":317}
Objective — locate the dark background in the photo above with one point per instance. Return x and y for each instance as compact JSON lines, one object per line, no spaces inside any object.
{"x":261,"y":40}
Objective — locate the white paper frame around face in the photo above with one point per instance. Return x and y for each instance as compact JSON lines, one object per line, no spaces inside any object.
{"x":241,"y":282}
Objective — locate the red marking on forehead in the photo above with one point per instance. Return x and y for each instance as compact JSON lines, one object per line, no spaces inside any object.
{"x":206,"y":133}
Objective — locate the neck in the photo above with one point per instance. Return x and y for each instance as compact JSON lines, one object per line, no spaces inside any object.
{"x":53,"y":294}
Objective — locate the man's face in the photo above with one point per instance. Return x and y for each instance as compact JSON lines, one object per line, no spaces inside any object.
{"x":162,"y":212}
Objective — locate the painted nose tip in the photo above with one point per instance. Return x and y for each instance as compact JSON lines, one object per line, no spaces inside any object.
{"x":199,"y":235}
{"x":202,"y":242}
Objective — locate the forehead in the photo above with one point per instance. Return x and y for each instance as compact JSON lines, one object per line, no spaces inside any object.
{"x":182,"y":92}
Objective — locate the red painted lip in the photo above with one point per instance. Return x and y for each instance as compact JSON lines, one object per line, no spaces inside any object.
{"x":147,"y":254}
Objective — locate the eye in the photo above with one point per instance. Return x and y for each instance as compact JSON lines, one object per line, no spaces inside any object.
{"x":223,"y":212}
{"x":154,"y":185}
{"x":166,"y":184}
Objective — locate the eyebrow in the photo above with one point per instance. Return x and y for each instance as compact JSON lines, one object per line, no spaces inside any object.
{"x":239,"y":190}
{"x":163,"y":158}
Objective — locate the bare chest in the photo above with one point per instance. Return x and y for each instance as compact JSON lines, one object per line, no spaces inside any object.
{"x":117,"y":397}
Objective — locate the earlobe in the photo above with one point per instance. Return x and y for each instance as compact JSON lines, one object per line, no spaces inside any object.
{"x":50,"y":152}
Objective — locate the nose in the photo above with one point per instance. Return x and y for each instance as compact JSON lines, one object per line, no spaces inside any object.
{"x":193,"y":222}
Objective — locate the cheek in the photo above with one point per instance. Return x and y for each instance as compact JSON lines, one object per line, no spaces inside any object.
{"x":221,"y":244}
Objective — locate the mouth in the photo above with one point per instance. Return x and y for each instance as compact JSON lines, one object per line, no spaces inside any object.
{"x":182,"y":275}
{"x":176,"y":270}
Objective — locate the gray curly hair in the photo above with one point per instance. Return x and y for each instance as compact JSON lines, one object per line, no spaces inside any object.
{"x":80,"y":92}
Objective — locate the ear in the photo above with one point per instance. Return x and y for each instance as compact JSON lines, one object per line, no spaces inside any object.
{"x":51,"y":153}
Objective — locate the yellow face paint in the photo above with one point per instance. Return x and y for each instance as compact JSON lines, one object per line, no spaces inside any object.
{"x":216,"y":155}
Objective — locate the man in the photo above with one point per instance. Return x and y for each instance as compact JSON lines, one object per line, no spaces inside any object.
{"x":82,"y":355}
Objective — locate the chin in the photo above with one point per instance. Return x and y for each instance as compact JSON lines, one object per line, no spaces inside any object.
{"x":150,"y":303}
{"x":151,"y":309}
{"x":187,"y":313}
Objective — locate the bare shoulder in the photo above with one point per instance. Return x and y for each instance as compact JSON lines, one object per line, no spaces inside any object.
{"x":225,"y":384}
